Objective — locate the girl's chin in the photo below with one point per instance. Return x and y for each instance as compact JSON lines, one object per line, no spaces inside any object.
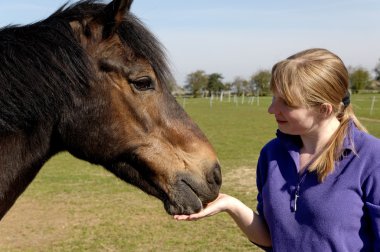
{"x":284,"y":129}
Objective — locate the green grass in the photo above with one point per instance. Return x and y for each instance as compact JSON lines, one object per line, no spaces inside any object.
{"x":75,"y":206}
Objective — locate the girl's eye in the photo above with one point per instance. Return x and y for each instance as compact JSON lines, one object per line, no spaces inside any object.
{"x":284,"y":102}
{"x":281,"y":101}
{"x":143,"y":83}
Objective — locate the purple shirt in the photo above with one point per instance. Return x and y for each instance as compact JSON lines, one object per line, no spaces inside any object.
{"x":340,"y":214}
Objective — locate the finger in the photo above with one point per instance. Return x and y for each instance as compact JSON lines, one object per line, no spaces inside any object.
{"x":197,"y":216}
{"x":181,"y":217}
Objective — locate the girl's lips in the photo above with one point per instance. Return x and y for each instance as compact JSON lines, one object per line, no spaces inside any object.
{"x":280,"y":121}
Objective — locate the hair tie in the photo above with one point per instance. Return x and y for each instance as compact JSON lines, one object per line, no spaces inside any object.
{"x":346,"y":99}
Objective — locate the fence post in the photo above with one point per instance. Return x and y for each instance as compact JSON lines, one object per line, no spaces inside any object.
{"x":252,"y":100}
{"x":372,"y":105}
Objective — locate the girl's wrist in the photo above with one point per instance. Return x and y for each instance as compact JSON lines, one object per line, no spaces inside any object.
{"x":232,"y":205}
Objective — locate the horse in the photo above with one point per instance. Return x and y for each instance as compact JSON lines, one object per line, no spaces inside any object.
{"x":92,"y":80}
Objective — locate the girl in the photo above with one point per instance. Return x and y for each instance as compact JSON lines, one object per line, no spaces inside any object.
{"x":319,"y":180}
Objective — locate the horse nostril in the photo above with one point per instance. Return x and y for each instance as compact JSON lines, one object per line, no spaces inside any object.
{"x":218,"y":174}
{"x":215,"y":177}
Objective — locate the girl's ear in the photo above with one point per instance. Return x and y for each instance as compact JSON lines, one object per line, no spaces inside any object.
{"x":326,"y":109}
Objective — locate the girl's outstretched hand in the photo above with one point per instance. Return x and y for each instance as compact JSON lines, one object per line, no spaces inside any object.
{"x":252,"y":224}
{"x":220,"y":204}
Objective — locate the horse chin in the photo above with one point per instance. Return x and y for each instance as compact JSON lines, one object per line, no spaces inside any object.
{"x":184,"y":200}
{"x":174,"y":209}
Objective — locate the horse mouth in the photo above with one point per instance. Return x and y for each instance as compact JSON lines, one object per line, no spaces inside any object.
{"x":184,"y":199}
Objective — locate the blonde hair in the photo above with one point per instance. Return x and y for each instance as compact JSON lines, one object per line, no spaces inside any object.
{"x":311,"y":78}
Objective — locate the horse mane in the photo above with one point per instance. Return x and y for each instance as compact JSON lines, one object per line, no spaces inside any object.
{"x":43,"y":67}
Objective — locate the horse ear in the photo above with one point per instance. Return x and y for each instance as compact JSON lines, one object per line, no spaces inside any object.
{"x":114,"y":13}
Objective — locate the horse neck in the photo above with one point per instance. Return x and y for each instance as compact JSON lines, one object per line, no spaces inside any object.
{"x":22,"y":155}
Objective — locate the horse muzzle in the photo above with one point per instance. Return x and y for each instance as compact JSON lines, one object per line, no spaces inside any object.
{"x":189,"y":194}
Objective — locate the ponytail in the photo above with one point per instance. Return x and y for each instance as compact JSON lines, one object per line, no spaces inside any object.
{"x":324,"y":164}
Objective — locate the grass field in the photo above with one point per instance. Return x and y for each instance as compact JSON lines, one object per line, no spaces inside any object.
{"x":75,"y":206}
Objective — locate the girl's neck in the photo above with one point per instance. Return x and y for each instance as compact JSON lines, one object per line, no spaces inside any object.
{"x":316,"y":140}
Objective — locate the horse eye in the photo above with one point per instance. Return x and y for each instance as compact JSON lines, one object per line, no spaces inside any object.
{"x":143,"y":84}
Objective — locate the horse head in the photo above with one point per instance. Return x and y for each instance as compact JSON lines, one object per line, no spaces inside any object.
{"x":128,"y":121}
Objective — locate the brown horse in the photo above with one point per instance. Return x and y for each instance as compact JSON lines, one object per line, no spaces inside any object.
{"x":92,"y":80}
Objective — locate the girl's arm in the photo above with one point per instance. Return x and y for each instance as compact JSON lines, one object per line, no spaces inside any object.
{"x":253,"y":226}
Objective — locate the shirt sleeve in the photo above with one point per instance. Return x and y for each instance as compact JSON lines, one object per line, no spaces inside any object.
{"x":374,"y":212}
{"x":260,"y":180}
{"x":372,"y":203}
{"x":259,"y":183}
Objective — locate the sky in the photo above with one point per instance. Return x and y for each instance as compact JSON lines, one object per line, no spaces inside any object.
{"x":237,"y":38}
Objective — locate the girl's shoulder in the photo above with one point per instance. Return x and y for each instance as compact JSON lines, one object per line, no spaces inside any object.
{"x":366,"y":143}
{"x":367,"y":150}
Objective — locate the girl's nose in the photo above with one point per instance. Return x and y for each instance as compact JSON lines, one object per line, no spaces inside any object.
{"x":271,"y":108}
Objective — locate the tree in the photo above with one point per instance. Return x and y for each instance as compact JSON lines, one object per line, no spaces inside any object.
{"x":377,"y":71}
{"x":261,"y":80}
{"x":238,"y":85}
{"x":215,"y":83}
{"x":360,"y":79}
{"x":228,"y":86}
{"x":196,"y":82}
